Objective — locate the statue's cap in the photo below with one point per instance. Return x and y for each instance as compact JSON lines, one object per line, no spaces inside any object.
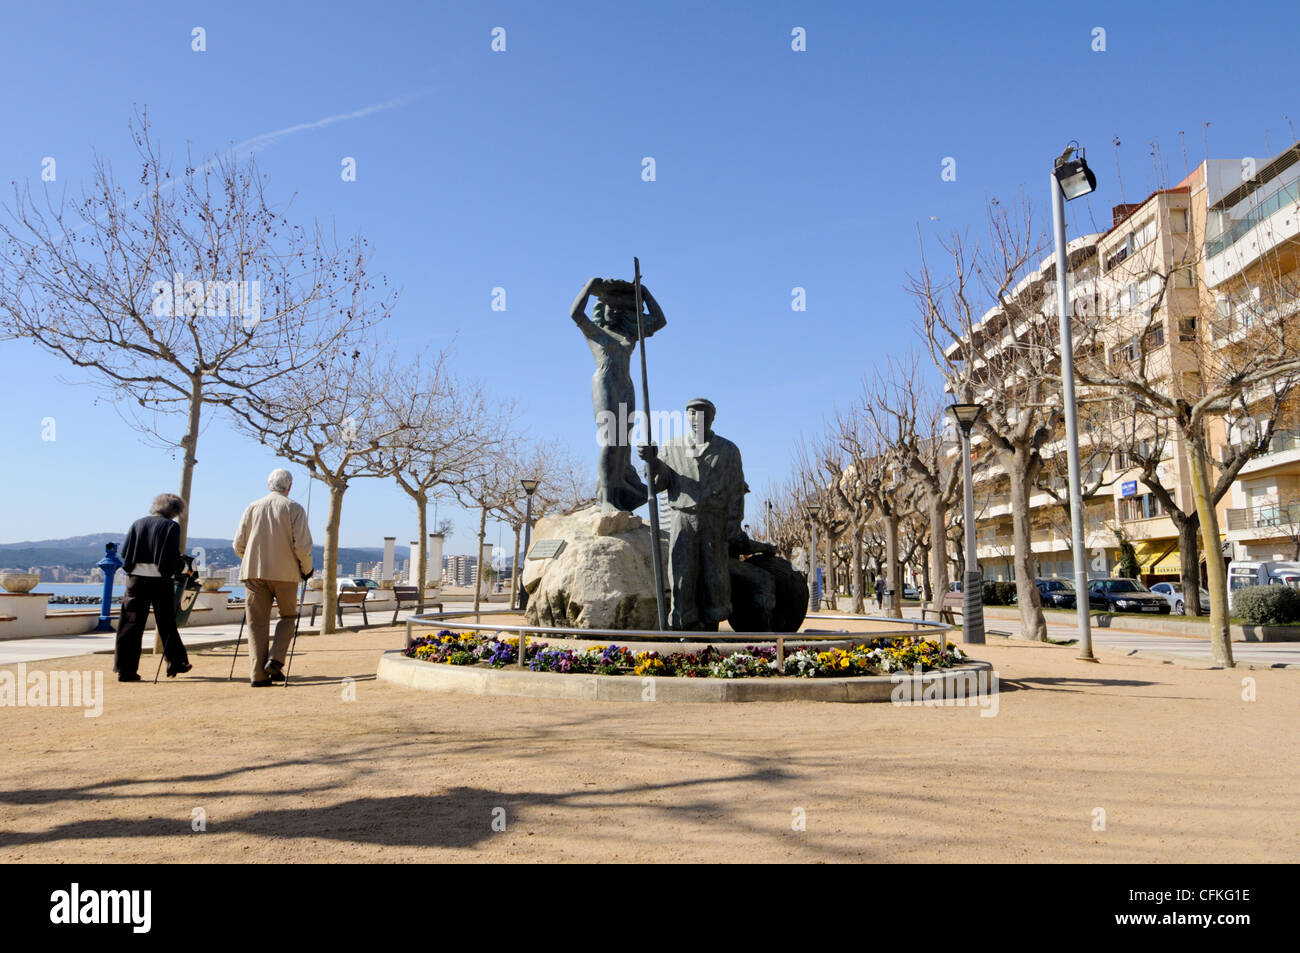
{"x":701,"y":402}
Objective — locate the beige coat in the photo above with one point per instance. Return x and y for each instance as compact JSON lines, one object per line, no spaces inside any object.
{"x":273,"y":540}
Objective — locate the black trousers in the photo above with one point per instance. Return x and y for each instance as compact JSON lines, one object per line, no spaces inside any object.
{"x":143,"y":593}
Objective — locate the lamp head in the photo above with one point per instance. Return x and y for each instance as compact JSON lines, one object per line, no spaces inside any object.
{"x":530,"y":486}
{"x":1073,"y":174}
{"x":966,"y":415}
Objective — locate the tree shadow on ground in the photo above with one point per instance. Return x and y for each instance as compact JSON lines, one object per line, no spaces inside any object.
{"x":460,"y":817}
{"x":1069,"y":683}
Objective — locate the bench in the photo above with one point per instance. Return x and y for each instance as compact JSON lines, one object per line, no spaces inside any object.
{"x":350,"y":597}
{"x":409,"y":596}
{"x":953,"y":603}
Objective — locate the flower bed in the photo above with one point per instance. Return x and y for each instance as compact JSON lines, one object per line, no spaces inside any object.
{"x":874,"y":657}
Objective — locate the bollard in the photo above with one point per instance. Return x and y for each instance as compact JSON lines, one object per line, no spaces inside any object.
{"x":110,"y":564}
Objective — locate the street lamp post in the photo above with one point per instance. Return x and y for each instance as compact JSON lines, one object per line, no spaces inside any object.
{"x":1072,"y":178}
{"x":972,"y":587}
{"x":813,"y":509}
{"x":530,"y":487}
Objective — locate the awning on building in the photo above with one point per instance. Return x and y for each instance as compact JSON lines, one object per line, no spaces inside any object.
{"x":1159,"y":557}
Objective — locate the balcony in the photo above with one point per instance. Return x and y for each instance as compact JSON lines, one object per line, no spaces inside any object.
{"x":1283,"y":448}
{"x":1238,"y":229}
{"x":1264,"y":516}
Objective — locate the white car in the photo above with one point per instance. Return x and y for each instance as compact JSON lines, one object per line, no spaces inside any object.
{"x":358,"y":582}
{"x":1173,"y":593}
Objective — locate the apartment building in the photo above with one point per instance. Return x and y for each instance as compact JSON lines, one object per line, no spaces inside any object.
{"x":1166,"y":293}
{"x":1252,"y":269}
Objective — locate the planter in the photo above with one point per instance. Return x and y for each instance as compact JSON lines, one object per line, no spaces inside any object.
{"x":19,"y":582}
{"x":212,"y":583}
{"x":316,"y":583}
{"x":385,"y":584}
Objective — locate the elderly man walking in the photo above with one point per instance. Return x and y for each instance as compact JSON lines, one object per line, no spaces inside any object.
{"x":275,"y":545}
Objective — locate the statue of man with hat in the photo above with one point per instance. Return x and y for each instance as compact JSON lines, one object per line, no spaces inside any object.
{"x":706,"y":488}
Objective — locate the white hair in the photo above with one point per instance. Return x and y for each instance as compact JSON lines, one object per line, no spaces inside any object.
{"x":280,"y":481}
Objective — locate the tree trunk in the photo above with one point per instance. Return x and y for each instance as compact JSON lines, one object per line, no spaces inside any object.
{"x":482,"y":537}
{"x":938,"y":552}
{"x":1220,"y":635}
{"x":829,"y":588}
{"x":1032,"y":624}
{"x":189,"y":443}
{"x":422,"y":521}
{"x":1189,"y":554}
{"x":923,"y":569}
{"x":893,"y":570}
{"x":857,"y":571}
{"x":330,"y":589}
{"x":514,"y":572}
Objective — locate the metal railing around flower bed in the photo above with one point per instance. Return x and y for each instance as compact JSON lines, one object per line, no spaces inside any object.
{"x":442,"y":619}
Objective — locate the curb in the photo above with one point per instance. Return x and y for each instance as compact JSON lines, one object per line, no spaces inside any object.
{"x":474,"y":680}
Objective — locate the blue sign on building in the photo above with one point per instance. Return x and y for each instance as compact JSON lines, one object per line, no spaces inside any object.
{"x":1129,"y":488}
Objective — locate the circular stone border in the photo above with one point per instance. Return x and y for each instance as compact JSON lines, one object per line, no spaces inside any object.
{"x":395,"y":667}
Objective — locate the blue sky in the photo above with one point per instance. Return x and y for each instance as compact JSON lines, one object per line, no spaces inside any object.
{"x":775,"y":169}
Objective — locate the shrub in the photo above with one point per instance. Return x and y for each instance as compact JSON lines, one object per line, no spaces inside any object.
{"x":999,"y":593}
{"x":1267,"y":605}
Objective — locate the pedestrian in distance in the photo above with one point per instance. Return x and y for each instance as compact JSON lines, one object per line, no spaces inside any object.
{"x":151,"y":557}
{"x":274,"y":544}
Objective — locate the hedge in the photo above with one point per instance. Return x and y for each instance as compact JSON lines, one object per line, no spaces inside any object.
{"x":1267,"y":605}
{"x":999,"y":593}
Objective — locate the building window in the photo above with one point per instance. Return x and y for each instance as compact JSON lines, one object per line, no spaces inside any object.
{"x":1178,"y":220}
{"x":1142,"y":507}
{"x":1187,"y":330}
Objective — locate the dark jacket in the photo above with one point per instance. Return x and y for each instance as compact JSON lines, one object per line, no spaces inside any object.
{"x":153,"y":539}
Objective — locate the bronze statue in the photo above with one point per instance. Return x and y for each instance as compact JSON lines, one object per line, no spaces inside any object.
{"x":612,"y":335}
{"x":705,"y":480}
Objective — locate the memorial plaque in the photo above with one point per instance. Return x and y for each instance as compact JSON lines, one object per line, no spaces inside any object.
{"x":546,"y":549}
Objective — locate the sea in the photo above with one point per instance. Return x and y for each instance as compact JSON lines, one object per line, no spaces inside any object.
{"x":82,"y":592}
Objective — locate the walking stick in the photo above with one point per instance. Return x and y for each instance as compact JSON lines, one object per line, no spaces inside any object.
{"x":242,"y":620}
{"x":301,"y":592}
{"x":656,"y":553}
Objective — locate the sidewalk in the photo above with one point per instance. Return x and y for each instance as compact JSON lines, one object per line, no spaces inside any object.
{"x":13,"y":651}
{"x":1115,"y":640}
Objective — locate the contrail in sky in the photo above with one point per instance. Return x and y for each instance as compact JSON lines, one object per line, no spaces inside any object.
{"x":270,"y":138}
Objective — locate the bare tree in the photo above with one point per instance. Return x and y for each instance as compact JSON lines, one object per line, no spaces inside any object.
{"x":909,"y":418}
{"x":1201,"y":384}
{"x":986,"y":330}
{"x":444,"y":428}
{"x":194,"y":291}
{"x":562,"y":486}
{"x":338,"y":420}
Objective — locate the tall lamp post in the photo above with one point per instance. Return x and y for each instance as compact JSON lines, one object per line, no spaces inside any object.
{"x":1072,"y":178}
{"x":812,"y":509}
{"x":530,"y":487}
{"x":972,"y":587}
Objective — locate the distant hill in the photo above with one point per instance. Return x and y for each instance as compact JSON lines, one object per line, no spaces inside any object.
{"x":82,"y":552}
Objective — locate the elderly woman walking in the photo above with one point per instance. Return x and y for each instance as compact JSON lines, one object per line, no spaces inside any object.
{"x":151,"y":556}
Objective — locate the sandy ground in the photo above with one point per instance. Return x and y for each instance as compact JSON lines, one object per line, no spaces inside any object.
{"x":1182,"y":766}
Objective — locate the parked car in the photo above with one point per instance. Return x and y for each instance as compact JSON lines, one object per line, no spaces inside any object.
{"x":910,"y":591}
{"x":1173,"y":594}
{"x":1124,"y":595}
{"x":350,"y":582}
{"x":1057,"y":593}
{"x":1243,"y":573}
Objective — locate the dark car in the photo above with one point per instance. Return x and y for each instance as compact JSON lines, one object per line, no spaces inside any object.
{"x":1057,"y":593}
{"x":1125,"y":595}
